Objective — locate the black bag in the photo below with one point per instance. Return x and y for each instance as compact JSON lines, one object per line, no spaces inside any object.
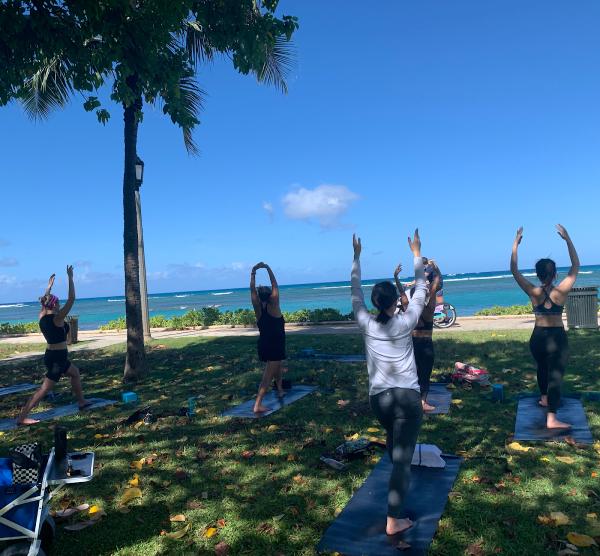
{"x":27,"y":463}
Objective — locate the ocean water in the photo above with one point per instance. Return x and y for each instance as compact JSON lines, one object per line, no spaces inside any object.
{"x":467,"y":292}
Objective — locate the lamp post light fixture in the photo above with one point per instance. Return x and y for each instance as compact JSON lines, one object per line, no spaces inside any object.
{"x":139,"y":170}
{"x":139,"y":178}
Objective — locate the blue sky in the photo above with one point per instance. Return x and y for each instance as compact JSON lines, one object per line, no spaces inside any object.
{"x":466,"y":118}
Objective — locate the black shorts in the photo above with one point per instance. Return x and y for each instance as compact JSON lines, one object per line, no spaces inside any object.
{"x":272,"y":349}
{"x":57,"y":363}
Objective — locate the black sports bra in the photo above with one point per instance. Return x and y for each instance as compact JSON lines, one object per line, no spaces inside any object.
{"x":52,"y":333}
{"x":554,"y":308}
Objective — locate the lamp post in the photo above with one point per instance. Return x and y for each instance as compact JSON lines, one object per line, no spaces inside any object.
{"x":139,"y":178}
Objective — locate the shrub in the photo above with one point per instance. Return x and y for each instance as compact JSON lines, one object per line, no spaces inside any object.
{"x":18,"y":327}
{"x":159,"y":321}
{"x":501,"y":310}
{"x":117,"y":324}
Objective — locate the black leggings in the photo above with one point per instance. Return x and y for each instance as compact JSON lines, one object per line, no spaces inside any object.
{"x":400,"y":412}
{"x":424,"y":357}
{"x":550,"y":349}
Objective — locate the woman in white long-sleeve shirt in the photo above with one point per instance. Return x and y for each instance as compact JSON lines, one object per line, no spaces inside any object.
{"x":393,"y":384}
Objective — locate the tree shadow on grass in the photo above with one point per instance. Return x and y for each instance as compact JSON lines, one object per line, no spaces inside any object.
{"x":281,"y":499}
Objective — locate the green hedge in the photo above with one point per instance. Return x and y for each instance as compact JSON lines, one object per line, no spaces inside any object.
{"x":18,"y":328}
{"x":207,"y":316}
{"x":501,"y":310}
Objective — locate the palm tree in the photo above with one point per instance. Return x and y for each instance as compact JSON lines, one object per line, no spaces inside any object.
{"x":151,"y":64}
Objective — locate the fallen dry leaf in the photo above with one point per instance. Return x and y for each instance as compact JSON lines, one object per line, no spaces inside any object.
{"x":475,"y":549}
{"x":565,"y":459}
{"x":555,"y":519}
{"x":177,"y":518}
{"x":372,"y":429}
{"x":179,"y":534}
{"x":222,"y":549}
{"x":221,"y":523}
{"x":81,"y":525}
{"x":247,"y":454}
{"x":272,"y":428}
{"x":130,"y":494}
{"x":94,"y":510}
{"x":135,"y":482}
{"x":343,"y":403}
{"x":581,"y":541}
{"x":137,"y":464}
{"x":516,"y":447}
{"x":354,"y":436}
{"x":210,"y":532}
{"x":266,"y":528}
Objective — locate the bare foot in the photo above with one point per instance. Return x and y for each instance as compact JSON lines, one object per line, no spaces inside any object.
{"x":541,"y":403}
{"x":553,"y":423}
{"x":27,"y":421}
{"x":261,"y":409}
{"x":426,"y":406}
{"x":395,"y":526}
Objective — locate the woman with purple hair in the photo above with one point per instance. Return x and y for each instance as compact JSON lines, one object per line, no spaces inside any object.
{"x":56,"y":358}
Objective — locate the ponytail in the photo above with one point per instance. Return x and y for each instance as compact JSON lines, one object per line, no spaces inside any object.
{"x":383,"y":296}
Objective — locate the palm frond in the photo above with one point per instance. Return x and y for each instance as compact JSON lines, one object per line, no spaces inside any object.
{"x":196,"y":43}
{"x":279,"y":62}
{"x":191,"y":104}
{"x":48,"y":88}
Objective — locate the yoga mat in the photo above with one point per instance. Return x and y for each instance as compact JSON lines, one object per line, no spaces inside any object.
{"x":440,"y":397}
{"x":359,"y":358}
{"x":55,"y":412}
{"x":360,"y":529}
{"x":270,"y":400}
{"x":16,"y":388}
{"x":531,"y":420}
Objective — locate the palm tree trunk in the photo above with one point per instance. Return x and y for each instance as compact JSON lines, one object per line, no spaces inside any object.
{"x":135,"y":361}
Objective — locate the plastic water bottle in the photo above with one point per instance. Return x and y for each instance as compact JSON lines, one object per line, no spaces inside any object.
{"x":498,"y":392}
{"x":191,"y":406}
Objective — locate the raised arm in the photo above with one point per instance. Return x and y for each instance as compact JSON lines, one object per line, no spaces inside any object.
{"x":435,"y":284}
{"x":274,"y":286}
{"x":524,"y":284}
{"x":253,"y":293}
{"x":64,"y":310}
{"x":361,"y":313}
{"x":417,"y":302}
{"x":50,"y":284}
{"x":400,"y":288}
{"x":567,"y":283}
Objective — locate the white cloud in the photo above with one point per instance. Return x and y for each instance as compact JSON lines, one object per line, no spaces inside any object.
{"x":325,"y":203}
{"x":8,"y":261}
{"x":7,"y":280}
{"x":268,"y":207}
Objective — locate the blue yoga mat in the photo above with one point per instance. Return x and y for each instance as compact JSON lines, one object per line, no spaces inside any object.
{"x":56,"y":412}
{"x":16,"y":388}
{"x":531,"y":420}
{"x":270,"y":400}
{"x":440,"y":397}
{"x":360,"y":529}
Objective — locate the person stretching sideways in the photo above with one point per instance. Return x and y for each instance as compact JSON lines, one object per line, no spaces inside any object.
{"x":549,"y":343}
{"x":271,"y":340}
{"x":56,"y":359}
{"x":393,"y":384}
{"x":423,"y":333}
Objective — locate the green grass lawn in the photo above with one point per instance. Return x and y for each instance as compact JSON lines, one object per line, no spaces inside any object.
{"x":6,"y":350}
{"x":281,"y":499}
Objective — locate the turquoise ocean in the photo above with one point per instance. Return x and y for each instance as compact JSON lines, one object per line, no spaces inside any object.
{"x":467,"y":292}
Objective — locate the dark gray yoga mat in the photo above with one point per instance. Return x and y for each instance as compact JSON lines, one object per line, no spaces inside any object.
{"x":56,"y":412}
{"x":440,"y":397}
{"x":16,"y":388}
{"x":531,"y":420}
{"x":360,"y":529}
{"x":341,"y":358}
{"x":270,"y":400}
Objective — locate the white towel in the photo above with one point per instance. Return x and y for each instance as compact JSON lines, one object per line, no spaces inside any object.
{"x":428,"y":455}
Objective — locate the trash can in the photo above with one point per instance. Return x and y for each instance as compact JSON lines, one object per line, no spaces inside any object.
{"x":582,"y":307}
{"x":74,"y":329}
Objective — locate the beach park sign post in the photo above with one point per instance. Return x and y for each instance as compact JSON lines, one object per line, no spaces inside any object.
{"x":145,"y":52}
